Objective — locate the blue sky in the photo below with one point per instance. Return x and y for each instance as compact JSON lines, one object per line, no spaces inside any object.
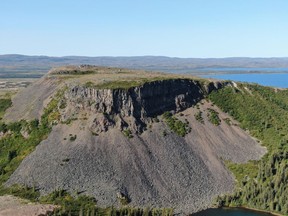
{"x":176,"y":28}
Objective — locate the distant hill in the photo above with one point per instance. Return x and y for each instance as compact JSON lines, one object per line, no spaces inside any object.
{"x":35,"y":66}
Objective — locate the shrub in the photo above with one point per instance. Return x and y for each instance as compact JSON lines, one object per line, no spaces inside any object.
{"x":124,"y":200}
{"x":3,"y":127}
{"x":11,"y":154}
{"x":213,"y":117}
{"x":73,"y":138}
{"x":4,"y":104}
{"x":198,"y":116}
{"x":127,"y":133}
{"x":228,"y":121}
{"x":177,"y":126}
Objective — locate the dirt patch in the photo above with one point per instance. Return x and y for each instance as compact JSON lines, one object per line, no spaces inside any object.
{"x":13,"y":206}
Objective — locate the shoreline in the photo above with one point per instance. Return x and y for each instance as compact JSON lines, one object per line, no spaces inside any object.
{"x":259,"y":210}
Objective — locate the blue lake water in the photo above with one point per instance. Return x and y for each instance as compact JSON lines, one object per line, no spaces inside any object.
{"x":244,"y":70}
{"x":270,"y":79}
{"x":230,"y":212}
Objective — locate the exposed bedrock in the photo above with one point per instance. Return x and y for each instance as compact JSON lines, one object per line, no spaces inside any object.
{"x":140,"y":103}
{"x":147,"y":100}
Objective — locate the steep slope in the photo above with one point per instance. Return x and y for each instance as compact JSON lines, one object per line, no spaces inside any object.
{"x":29,"y":103}
{"x":115,"y":140}
{"x":152,"y":169}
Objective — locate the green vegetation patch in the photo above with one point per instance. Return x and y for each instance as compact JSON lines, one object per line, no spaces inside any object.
{"x":242,"y":171}
{"x":198,"y":116}
{"x":228,"y":121}
{"x":23,"y":192}
{"x":262,"y":111}
{"x":126,"y":84}
{"x":176,"y":125}
{"x":51,"y":112}
{"x":5,"y":103}
{"x":127,"y":133}
{"x":14,"y":147}
{"x":121,"y":84}
{"x":213,"y":117}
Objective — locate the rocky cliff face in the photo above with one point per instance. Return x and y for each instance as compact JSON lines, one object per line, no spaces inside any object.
{"x":139,"y":104}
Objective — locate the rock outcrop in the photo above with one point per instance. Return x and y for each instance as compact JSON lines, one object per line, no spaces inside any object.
{"x":140,"y":104}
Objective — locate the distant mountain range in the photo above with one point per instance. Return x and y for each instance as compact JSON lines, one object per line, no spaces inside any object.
{"x":34,"y":66}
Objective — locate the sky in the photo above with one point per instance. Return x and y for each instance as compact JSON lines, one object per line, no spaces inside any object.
{"x":175,"y":28}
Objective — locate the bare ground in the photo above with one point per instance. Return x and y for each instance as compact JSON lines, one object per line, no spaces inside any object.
{"x":13,"y":206}
{"x":29,"y":103}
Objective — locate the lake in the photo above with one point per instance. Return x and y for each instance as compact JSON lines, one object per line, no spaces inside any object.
{"x":267,"y":79}
{"x":230,"y":212}
{"x":242,"y":70}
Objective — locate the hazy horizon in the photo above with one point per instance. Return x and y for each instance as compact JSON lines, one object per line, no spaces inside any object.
{"x":54,"y":56}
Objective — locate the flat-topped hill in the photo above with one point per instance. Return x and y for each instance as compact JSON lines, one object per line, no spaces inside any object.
{"x":151,"y":139}
{"x":30,"y":102}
